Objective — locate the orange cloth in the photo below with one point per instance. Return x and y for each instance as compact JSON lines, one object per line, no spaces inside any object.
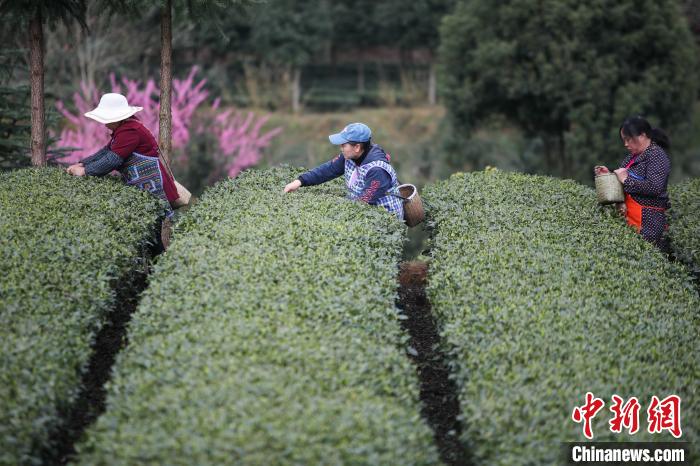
{"x":634,"y":212}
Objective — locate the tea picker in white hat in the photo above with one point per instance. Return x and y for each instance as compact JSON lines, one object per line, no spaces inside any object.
{"x":369,"y":177}
{"x":132,"y":150}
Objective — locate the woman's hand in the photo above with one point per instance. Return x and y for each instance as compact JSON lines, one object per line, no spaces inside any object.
{"x":621,"y":208}
{"x":77,"y":169}
{"x":600,"y":170}
{"x":621,"y":174}
{"x":293,"y":186}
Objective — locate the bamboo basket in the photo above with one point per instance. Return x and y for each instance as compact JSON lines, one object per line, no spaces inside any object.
{"x":184,"y":196}
{"x":413,"y":212}
{"x":608,"y":189}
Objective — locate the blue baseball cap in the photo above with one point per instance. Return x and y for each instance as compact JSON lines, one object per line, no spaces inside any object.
{"x":354,"y":132}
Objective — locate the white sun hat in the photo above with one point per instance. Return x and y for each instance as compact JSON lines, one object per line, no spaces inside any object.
{"x":112,"y":108}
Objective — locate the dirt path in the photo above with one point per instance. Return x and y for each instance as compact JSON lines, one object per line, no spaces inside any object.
{"x":438,"y":393}
{"x":111,"y":339}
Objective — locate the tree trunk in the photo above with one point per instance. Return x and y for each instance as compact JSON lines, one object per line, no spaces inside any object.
{"x":36,"y":73}
{"x":432,"y":85}
{"x":361,"y":78}
{"x":166,"y":80}
{"x":296,"y":89}
{"x":565,"y":164}
{"x":549,"y":167}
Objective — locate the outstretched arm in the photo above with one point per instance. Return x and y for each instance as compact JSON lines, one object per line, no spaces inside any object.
{"x":94,"y":156}
{"x":99,"y":164}
{"x":326,"y":172}
{"x":103,"y":165}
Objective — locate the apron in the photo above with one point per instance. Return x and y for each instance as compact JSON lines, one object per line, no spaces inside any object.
{"x":355,"y":181}
{"x":634,"y":208}
{"x":145,"y":173}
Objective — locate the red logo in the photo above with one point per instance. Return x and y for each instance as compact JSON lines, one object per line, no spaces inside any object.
{"x":626,"y":415}
{"x":665,"y":415}
{"x":587,"y":412}
{"x":662,"y":415}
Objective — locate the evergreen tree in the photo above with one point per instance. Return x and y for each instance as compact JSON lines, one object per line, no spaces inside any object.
{"x":19,"y":14}
{"x":414,"y":25}
{"x":290,"y":33}
{"x":200,"y":11}
{"x":15,"y":129}
{"x":568,"y":72}
{"x":356,"y":26}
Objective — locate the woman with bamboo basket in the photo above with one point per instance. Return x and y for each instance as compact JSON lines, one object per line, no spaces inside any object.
{"x":132,"y":151}
{"x":644,"y":174}
{"x":369,"y":176}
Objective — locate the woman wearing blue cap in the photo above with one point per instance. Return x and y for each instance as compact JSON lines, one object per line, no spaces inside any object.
{"x":368,"y":175}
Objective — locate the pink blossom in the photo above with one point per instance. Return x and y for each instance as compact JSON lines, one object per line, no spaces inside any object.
{"x":239,"y":137}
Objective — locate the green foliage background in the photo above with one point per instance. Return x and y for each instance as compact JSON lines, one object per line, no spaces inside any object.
{"x":568,"y":72}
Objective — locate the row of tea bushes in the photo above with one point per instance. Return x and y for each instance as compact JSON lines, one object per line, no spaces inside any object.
{"x":64,"y":243}
{"x":543,"y":296}
{"x":684,"y":226}
{"x":268,"y":335}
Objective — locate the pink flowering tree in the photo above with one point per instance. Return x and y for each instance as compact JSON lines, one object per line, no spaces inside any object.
{"x":239,"y":138}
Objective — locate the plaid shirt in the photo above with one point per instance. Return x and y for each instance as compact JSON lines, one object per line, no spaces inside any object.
{"x":377,"y":181}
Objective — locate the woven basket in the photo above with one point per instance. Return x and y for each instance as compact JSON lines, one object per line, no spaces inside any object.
{"x":608,"y":189}
{"x":413,"y":212}
{"x":184,"y":196}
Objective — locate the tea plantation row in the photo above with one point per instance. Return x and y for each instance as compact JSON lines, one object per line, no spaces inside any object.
{"x":685,"y":222}
{"x":64,"y":243}
{"x":543,"y":296}
{"x":268,"y":335}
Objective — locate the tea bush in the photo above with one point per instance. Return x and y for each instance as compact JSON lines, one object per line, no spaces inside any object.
{"x":684,"y":227}
{"x":64,"y":243}
{"x":268,"y":335}
{"x":542,"y":296}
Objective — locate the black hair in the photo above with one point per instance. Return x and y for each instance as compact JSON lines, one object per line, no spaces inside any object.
{"x":366,"y":145}
{"x":637,"y":125}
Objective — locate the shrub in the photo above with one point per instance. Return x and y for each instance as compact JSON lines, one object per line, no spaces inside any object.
{"x":65,"y":241}
{"x":541,"y":297}
{"x":268,"y":335}
{"x":684,"y":227}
